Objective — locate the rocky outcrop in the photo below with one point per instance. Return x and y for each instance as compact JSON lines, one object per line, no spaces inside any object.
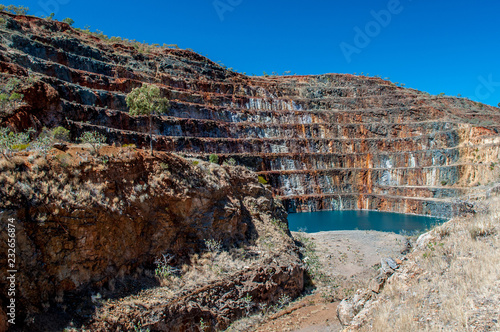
{"x":323,"y":142}
{"x":357,"y":305}
{"x":215,"y":305}
{"x":86,"y":224}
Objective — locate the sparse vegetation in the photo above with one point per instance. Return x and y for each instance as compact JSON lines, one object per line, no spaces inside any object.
{"x":282,"y":226}
{"x":9,"y":97}
{"x":309,"y":256}
{"x":18,"y":10}
{"x":213,"y":246}
{"x":11,"y":141}
{"x":284,"y":300}
{"x":231,"y":162}
{"x":163,"y":268}
{"x":95,"y":139}
{"x":203,"y":325}
{"x":164,"y":166}
{"x":248,"y":303}
{"x":450,"y":284}
{"x":138,"y":328}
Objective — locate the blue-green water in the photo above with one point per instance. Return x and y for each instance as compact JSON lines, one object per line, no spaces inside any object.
{"x":312,"y":222}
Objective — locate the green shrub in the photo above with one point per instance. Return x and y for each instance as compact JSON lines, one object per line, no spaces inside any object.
{"x":214,"y":158}
{"x":20,"y":147}
{"x":129,"y":146}
{"x":262,"y":180}
{"x":231,"y":162}
{"x":60,"y":134}
{"x":68,"y":20}
{"x":16,"y":96}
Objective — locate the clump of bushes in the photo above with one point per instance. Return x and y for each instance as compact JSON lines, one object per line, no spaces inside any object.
{"x":18,"y":10}
{"x":11,"y":141}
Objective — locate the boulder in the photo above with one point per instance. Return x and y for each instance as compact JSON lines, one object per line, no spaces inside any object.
{"x":60,"y":146}
{"x":349,"y":308}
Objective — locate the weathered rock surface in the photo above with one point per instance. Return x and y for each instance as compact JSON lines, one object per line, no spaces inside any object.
{"x":354,"y":306}
{"x":216,"y":305}
{"x":86,"y":225}
{"x":349,"y":308}
{"x":323,"y":142}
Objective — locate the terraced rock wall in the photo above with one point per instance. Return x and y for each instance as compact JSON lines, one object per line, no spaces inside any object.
{"x":322,"y":142}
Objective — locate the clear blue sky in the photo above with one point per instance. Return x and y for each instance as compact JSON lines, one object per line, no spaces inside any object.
{"x":435,"y":46}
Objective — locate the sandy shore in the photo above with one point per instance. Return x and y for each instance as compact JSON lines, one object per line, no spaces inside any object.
{"x":355,"y":253}
{"x":350,"y":259}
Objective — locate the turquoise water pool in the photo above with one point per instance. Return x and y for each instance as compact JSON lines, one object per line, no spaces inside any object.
{"x":312,"y":222}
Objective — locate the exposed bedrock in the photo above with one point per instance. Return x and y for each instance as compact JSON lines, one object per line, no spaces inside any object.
{"x":85,"y":227}
{"x":323,"y":142}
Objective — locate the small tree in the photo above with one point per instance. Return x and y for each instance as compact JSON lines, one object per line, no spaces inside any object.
{"x":146,"y":101}
{"x":95,"y":139}
{"x":68,"y":20}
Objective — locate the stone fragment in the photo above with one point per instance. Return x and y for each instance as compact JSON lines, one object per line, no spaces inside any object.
{"x":388,"y":265}
{"x":349,"y":308}
{"x":60,"y":146}
{"x":378,"y":282}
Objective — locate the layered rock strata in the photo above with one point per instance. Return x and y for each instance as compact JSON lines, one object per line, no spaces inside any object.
{"x":323,"y":142}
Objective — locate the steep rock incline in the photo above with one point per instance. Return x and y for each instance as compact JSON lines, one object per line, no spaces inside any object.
{"x":323,"y":142}
{"x":98,"y":224}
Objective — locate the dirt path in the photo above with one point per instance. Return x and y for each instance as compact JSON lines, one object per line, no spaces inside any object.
{"x":349,"y":260}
